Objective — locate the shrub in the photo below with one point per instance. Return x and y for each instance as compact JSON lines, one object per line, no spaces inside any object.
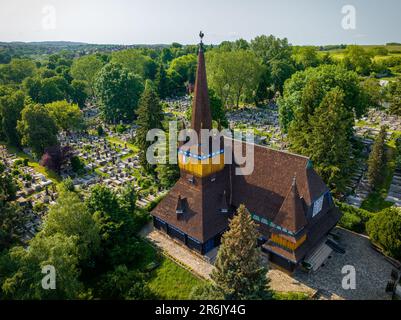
{"x":385,"y":230}
{"x":353,"y":219}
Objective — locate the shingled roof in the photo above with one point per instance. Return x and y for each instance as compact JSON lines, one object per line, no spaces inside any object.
{"x":201,"y":115}
{"x":291,"y":215}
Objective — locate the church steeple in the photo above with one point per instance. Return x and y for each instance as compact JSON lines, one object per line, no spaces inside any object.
{"x":201,"y":115}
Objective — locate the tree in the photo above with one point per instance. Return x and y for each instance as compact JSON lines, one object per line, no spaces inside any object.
{"x":78,"y":92}
{"x":385,"y":230}
{"x":358,"y":59}
{"x":119,"y":92}
{"x":150,"y":116}
{"x":68,"y":117}
{"x":37,"y":128}
{"x":329,"y":146}
{"x":55,"y":157}
{"x":276,"y":59}
{"x":306,"y":57}
{"x":395,"y":97}
{"x":70,"y":217}
{"x":217,"y":109}
{"x":373,"y":91}
{"x":117,"y":227}
{"x":12,"y":219}
{"x":233,"y":75}
{"x":325,"y":78}
{"x":17,"y":70}
{"x":86,"y":69}
{"x":377,"y":159}
{"x":11,"y":106}
{"x":182,"y":71}
{"x":162,"y":82}
{"x":21,"y":269}
{"x":135,"y":62}
{"x":47,"y":90}
{"x":122,"y":283}
{"x":238,"y":274}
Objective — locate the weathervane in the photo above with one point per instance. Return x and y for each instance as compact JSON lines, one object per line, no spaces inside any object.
{"x":201,"y":35}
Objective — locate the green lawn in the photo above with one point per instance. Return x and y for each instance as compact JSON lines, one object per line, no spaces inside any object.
{"x":122,"y":143}
{"x":172,"y":282}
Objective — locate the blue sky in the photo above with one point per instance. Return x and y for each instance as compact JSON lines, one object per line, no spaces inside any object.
{"x":165,"y":21}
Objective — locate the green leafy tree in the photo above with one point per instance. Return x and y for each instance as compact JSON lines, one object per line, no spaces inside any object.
{"x":117,"y":227}
{"x":239,"y":274}
{"x":150,"y":116}
{"x":358,"y":59}
{"x":306,"y":57}
{"x":86,"y":69}
{"x":37,"y":128}
{"x":385,"y":230}
{"x":68,"y":117}
{"x":324,"y":78}
{"x":70,"y":217}
{"x":21,"y":269}
{"x":135,"y":62}
{"x":17,"y":70}
{"x":233,"y":75}
{"x":78,"y":92}
{"x":47,"y":90}
{"x":119,"y":92}
{"x":11,"y":106}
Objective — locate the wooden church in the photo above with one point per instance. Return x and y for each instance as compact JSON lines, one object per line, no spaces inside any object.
{"x":285,"y":196}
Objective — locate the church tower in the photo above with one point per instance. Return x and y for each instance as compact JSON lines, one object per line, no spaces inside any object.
{"x":207,"y":156}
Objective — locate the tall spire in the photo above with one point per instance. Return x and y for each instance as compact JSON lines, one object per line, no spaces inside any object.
{"x":201,"y":115}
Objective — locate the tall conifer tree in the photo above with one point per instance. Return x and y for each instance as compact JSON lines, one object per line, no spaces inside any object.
{"x":239,"y":273}
{"x":150,"y":116}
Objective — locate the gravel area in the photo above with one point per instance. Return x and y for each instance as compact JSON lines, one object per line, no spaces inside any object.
{"x":372,"y":271}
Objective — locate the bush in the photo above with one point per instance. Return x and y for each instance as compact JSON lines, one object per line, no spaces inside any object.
{"x":385,"y":230}
{"x":76,"y":164}
{"x":120,"y":128}
{"x":353,"y":219}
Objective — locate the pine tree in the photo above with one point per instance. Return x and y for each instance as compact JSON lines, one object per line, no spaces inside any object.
{"x":377,"y":159}
{"x":329,"y":146}
{"x":239,"y":274}
{"x":150,"y":116}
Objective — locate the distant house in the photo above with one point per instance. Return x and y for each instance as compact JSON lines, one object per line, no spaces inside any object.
{"x":286,"y":197}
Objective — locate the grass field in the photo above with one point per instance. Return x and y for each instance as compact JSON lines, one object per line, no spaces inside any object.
{"x":172,"y":282}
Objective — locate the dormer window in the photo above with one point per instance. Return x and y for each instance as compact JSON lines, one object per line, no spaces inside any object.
{"x":180,"y":207}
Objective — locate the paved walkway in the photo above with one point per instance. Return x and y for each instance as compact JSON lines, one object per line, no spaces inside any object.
{"x":372,"y":270}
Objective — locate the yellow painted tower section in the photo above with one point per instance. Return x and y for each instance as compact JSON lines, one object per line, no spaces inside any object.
{"x":201,"y":168}
{"x":288,"y":244}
